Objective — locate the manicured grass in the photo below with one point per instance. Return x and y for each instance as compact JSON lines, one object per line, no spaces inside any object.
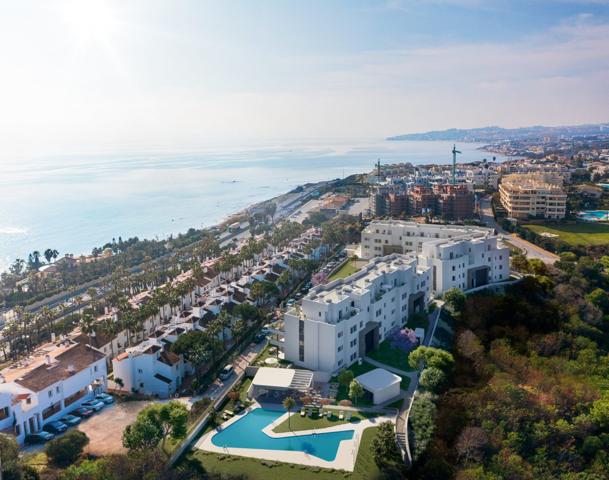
{"x":298,"y":423}
{"x":347,"y":269}
{"x":397,"y":404}
{"x":393,"y":357}
{"x":254,"y":469}
{"x":585,"y":233}
{"x":419,"y":320}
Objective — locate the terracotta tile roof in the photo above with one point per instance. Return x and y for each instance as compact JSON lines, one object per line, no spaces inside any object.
{"x":66,"y":364}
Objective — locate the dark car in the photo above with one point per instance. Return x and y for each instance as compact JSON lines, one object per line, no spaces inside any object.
{"x":55,"y":427}
{"x":70,"y":420}
{"x":39,"y":437}
{"x":94,"y":405}
{"x":259,"y":338}
{"x":83,"y":412}
{"x":105,"y":398}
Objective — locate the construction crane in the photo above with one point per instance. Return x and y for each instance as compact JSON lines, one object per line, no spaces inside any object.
{"x":455,"y":151}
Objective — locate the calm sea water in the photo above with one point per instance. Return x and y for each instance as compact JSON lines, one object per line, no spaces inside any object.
{"x":73,"y":203}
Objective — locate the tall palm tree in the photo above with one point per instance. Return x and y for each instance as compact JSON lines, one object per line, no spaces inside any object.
{"x":289,"y":403}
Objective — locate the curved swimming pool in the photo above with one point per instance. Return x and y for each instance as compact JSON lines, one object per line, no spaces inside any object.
{"x":247,"y":433}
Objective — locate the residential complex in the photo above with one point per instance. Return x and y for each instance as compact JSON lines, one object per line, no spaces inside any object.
{"x":449,"y":202}
{"x":342,"y":321}
{"x":533,"y":195}
{"x":55,"y":380}
{"x":460,"y":256}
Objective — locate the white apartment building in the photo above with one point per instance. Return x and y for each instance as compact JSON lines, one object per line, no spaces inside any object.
{"x":538,"y":195}
{"x":463,"y":257}
{"x":345,"y":319}
{"x":48,"y":385}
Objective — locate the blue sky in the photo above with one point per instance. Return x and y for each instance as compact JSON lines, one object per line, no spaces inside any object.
{"x":98,"y":74}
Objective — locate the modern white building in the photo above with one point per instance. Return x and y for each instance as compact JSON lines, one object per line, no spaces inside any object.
{"x":381,"y":384}
{"x":344,"y":320}
{"x":48,"y":385}
{"x":464,"y":257}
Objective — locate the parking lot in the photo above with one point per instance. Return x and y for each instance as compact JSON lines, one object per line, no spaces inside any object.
{"x":105,"y":429}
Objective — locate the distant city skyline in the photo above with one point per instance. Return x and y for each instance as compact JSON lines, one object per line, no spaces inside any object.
{"x":99,"y":74}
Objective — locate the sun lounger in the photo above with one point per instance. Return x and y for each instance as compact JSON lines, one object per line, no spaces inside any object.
{"x":303,"y":412}
{"x":341,"y":416}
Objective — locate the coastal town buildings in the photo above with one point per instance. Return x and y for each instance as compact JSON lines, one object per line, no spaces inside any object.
{"x":533,"y":195}
{"x":460,"y":256}
{"x":53,"y":381}
{"x":446,"y":201}
{"x":343,"y":320}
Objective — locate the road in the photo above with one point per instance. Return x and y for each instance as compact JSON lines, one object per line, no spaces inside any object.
{"x":529,"y":249}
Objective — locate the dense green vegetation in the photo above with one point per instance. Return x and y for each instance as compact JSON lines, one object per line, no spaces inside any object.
{"x":529,"y":397}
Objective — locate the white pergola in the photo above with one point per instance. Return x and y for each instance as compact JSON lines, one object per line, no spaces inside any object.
{"x":383,"y":385}
{"x":280,"y":379}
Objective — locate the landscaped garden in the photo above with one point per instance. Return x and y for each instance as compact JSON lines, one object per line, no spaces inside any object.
{"x":298,"y":423}
{"x":349,"y":268}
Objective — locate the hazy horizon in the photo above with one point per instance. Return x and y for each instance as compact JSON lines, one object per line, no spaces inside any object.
{"x":103,"y":75}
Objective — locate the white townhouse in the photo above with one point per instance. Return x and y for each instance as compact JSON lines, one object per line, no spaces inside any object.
{"x":150,"y":369}
{"x":464,"y":257}
{"x":342,"y":321}
{"x":48,"y":385}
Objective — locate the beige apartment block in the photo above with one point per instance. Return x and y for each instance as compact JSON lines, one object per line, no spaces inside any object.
{"x":538,"y":195}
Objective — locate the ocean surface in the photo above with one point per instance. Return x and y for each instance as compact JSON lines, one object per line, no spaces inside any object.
{"x":73,"y":203}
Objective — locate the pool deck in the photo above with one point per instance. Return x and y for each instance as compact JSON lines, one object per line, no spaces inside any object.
{"x":345,"y":456}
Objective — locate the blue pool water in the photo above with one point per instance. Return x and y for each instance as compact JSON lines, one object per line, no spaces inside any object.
{"x":594,"y":215}
{"x":247,"y":433}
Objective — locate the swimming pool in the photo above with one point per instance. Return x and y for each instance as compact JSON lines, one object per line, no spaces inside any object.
{"x":594,"y":215}
{"x":247,"y":433}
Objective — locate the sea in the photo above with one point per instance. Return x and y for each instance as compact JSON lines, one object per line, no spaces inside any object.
{"x":75,"y":202}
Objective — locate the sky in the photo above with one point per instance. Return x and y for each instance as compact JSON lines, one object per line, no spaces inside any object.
{"x":97,"y":75}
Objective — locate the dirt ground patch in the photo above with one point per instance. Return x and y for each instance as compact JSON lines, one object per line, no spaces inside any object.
{"x":105,"y":429}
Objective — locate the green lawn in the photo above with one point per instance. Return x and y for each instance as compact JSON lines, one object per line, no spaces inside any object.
{"x":347,"y":269}
{"x":585,"y":233}
{"x":298,"y":423}
{"x":254,"y":469}
{"x":390,"y":356}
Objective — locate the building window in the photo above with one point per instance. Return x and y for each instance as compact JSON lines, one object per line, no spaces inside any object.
{"x":139,"y":370}
{"x":50,"y":393}
{"x":340,"y":348}
{"x":4,"y":413}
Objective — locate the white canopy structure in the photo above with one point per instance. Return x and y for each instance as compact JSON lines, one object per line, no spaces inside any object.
{"x":383,"y":385}
{"x":280,"y":379}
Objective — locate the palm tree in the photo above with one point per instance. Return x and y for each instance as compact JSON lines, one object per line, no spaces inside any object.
{"x":289,"y":403}
{"x":48,"y":254}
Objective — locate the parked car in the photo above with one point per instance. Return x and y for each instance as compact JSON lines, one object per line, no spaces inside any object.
{"x":94,"y":405}
{"x":70,"y":420}
{"x":83,"y":412}
{"x":55,"y":427}
{"x":226,"y":372}
{"x":39,"y":437}
{"x":105,"y":398}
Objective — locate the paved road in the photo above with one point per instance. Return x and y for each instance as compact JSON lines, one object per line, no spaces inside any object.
{"x":529,"y":249}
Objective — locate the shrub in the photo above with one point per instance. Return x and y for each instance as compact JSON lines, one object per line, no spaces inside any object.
{"x":64,"y":450}
{"x":433,"y":379}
